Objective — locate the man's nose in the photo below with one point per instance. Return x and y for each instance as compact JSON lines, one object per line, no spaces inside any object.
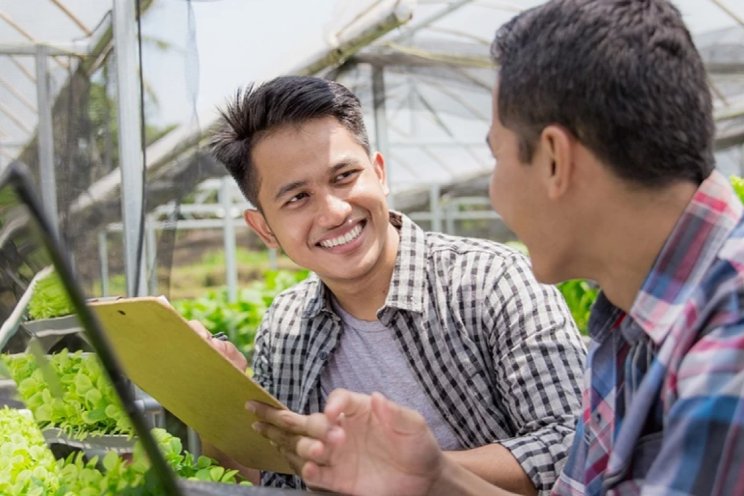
{"x":333,"y":210}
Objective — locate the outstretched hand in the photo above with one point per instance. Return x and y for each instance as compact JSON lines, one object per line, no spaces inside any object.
{"x":360,"y":445}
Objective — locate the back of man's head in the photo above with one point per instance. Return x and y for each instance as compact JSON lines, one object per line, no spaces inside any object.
{"x":622,"y":75}
{"x":258,"y":110}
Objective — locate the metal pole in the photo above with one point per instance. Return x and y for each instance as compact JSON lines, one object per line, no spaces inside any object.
{"x":436,"y":212}
{"x":152,"y":254}
{"x":228,"y":234}
{"x":381,"y":131}
{"x":273,"y":262}
{"x":103,"y":258}
{"x":46,"y":139}
{"x":130,"y":142}
{"x":449,"y":211}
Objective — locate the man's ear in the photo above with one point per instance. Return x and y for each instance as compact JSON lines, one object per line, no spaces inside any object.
{"x":257,"y":222}
{"x":378,"y":163}
{"x":558,"y":158}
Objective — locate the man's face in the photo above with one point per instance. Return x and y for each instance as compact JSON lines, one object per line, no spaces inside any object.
{"x":323,"y":200}
{"x":517,"y":195}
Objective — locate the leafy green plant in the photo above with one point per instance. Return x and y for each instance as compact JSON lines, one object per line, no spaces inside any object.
{"x":738,"y":184}
{"x":580,"y":296}
{"x":49,"y":299}
{"x":29,"y":467}
{"x":184,"y":464}
{"x":239,"y":319}
{"x":86,"y":404}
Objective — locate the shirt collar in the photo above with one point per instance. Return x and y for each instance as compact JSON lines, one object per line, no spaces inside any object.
{"x":688,"y":252}
{"x":408,"y":283}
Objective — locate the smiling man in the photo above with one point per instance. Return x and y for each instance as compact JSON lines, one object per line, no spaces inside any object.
{"x":457,"y":329}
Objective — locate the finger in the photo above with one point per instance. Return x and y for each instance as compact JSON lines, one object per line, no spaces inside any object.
{"x":398,"y":419}
{"x":226,"y":348}
{"x":231,"y":352}
{"x":200,"y":329}
{"x":295,"y":461}
{"x":282,"y":418}
{"x":320,"y":477}
{"x":317,"y":425}
{"x":279,"y":437}
{"x":346,"y":402}
{"x":310,"y":449}
{"x":287,"y":444}
{"x":311,"y":474}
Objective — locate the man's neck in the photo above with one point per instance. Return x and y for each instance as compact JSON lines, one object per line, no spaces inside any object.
{"x":363,"y":297}
{"x":627,"y":249}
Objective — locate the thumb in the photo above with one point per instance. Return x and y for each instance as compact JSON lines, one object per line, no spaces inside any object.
{"x":396,"y":418}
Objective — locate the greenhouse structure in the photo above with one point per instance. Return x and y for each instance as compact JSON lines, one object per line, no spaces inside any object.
{"x":110,"y":106}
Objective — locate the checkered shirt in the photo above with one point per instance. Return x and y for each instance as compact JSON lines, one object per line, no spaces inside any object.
{"x":664,"y":406}
{"x":495,"y":351}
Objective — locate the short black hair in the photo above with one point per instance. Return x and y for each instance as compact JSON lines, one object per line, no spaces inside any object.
{"x":257,"y":110}
{"x":623,"y":76}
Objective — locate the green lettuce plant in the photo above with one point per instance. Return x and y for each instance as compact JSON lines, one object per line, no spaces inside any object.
{"x":49,"y":299}
{"x":738,"y":184}
{"x":86,"y":403}
{"x":580,"y":296}
{"x":29,"y":467}
{"x":239,"y":319}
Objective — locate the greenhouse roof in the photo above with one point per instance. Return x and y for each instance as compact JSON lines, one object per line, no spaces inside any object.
{"x":437,"y":73}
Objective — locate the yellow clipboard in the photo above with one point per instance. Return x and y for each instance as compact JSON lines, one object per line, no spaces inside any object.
{"x":171,"y":362}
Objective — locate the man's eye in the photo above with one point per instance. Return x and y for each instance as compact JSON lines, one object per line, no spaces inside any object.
{"x":345,"y":176}
{"x":296,"y":198}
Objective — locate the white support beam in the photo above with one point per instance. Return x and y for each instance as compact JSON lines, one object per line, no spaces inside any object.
{"x":130,"y":143}
{"x":381,"y":130}
{"x":46,"y":138}
{"x":228,"y":236}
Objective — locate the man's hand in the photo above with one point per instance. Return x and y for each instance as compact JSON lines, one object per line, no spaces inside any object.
{"x":360,"y":445}
{"x":226,"y":348}
{"x":286,"y":430}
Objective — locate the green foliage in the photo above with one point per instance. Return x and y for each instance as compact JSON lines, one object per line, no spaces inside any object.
{"x":87,"y":403}
{"x":580,"y":296}
{"x":184,"y":464}
{"x":29,"y":467}
{"x":239,"y":319}
{"x":49,"y":299}
{"x":738,"y":184}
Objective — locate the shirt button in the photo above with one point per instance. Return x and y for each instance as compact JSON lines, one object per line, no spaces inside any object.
{"x":323,"y":355}
{"x":597,"y":417}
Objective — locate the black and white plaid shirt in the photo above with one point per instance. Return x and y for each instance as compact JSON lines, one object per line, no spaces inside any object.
{"x":495,"y":351}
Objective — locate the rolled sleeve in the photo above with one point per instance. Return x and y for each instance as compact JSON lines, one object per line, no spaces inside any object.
{"x":540,"y":357}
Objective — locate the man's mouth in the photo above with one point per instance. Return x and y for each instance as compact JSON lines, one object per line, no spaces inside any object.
{"x":343,"y":239}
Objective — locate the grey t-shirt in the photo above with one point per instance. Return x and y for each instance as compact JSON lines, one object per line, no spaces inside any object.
{"x":367,"y":359}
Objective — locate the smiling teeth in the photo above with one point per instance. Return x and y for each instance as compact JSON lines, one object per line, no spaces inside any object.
{"x":342,"y":240}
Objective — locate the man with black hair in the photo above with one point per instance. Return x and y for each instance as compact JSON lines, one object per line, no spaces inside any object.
{"x":455,"y":328}
{"x":602,"y":132}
